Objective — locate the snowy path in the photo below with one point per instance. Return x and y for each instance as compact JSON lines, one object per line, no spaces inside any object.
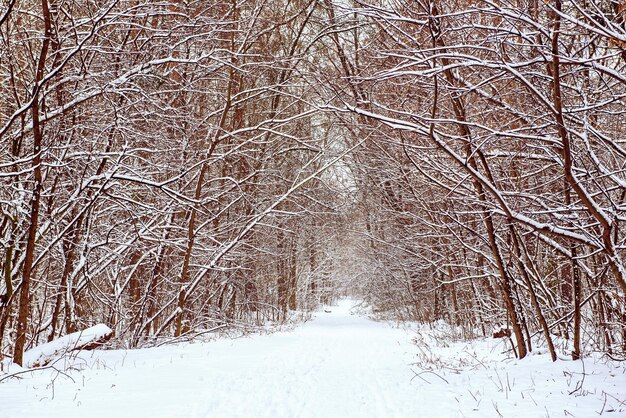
{"x":338,"y":365}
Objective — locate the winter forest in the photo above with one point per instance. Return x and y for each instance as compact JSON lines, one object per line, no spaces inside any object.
{"x":180,"y":168}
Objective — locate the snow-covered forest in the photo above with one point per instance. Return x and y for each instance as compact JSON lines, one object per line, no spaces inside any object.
{"x":176,"y":169}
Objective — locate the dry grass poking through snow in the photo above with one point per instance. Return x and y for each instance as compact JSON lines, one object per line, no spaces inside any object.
{"x":486,"y":380}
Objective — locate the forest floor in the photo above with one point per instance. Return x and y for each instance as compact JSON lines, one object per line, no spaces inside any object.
{"x":339,"y":364}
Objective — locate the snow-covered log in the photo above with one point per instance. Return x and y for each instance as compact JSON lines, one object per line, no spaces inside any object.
{"x":82,"y":340}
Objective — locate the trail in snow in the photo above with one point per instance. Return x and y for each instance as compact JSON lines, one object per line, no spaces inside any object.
{"x":338,"y":365}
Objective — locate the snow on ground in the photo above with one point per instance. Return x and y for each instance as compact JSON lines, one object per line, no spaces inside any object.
{"x":337,"y":365}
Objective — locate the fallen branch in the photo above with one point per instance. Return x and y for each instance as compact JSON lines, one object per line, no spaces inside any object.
{"x":87,"y":339}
